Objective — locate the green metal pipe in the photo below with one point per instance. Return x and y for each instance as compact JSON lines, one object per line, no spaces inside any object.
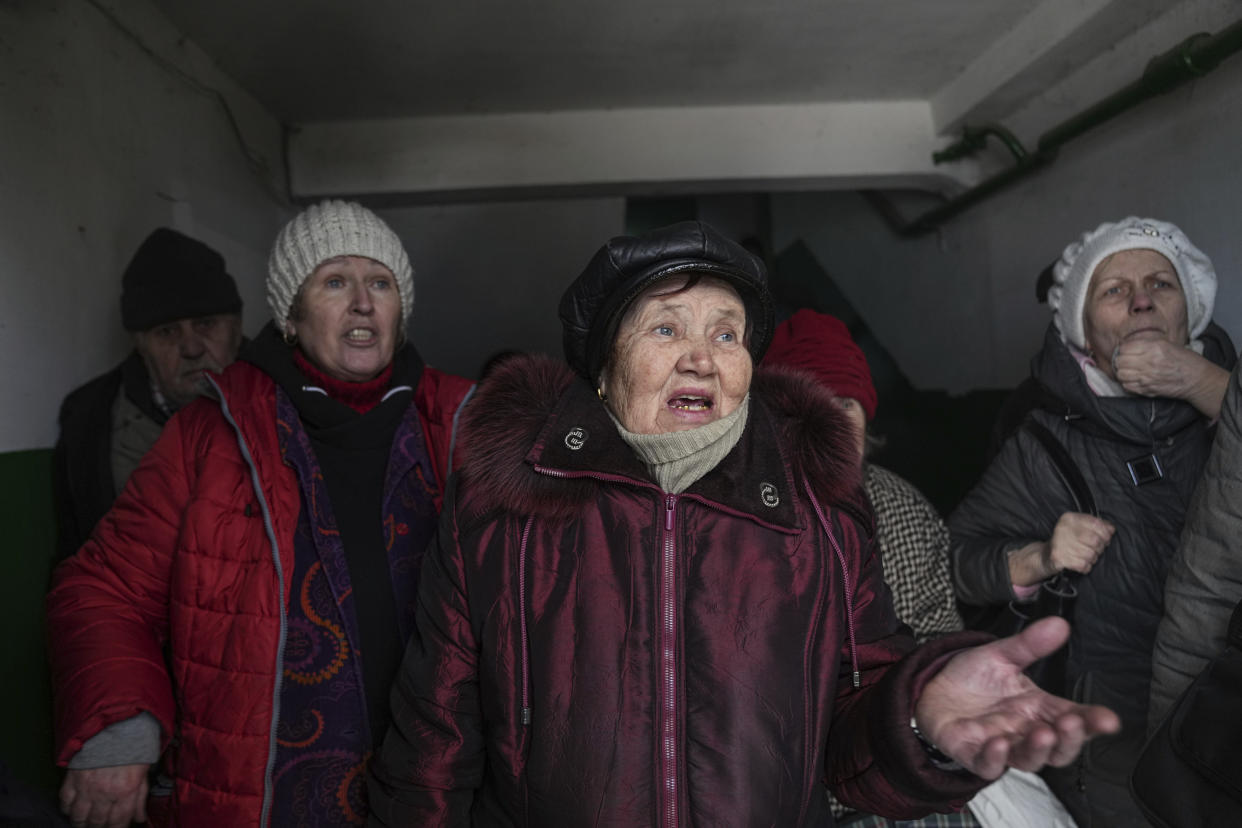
{"x":1193,"y":58}
{"x":936,"y":216}
{"x":975,"y":138}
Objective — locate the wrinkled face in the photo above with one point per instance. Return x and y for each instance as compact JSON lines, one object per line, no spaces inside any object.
{"x":857,"y":416}
{"x":177,"y":353}
{"x":1134,"y":294}
{"x":347,"y":318}
{"x":679,"y":360}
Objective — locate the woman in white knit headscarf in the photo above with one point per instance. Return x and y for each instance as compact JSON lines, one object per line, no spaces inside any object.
{"x":1129,"y":382}
{"x":1132,"y":300}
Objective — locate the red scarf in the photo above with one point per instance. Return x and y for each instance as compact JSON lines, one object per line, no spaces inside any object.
{"x":360,"y":396}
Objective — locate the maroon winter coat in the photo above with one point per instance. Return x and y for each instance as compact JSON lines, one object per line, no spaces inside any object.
{"x":593,"y":651}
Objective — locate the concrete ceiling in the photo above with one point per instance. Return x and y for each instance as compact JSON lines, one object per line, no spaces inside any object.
{"x":396,"y":58}
{"x":490,"y":96}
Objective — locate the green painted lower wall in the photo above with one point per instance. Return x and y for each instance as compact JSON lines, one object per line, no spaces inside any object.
{"x":25,"y":567}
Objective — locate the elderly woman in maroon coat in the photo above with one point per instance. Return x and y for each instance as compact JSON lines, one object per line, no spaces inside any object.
{"x":655,"y":598}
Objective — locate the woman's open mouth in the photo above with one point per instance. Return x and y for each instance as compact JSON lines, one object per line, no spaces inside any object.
{"x":690,"y":403}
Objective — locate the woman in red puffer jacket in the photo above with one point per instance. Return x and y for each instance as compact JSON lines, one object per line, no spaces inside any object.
{"x":239,"y":615}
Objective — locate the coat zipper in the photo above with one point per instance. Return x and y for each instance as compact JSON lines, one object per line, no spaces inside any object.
{"x":266,"y":813}
{"x":668,"y":666}
{"x":845,"y":578}
{"x":669,"y":753}
{"x":522,"y":622}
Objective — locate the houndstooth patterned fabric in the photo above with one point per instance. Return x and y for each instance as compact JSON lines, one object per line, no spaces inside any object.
{"x":914,"y":548}
{"x":914,"y":552}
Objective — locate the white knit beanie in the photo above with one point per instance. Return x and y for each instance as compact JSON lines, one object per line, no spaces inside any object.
{"x":1072,"y":274}
{"x":324,"y":231}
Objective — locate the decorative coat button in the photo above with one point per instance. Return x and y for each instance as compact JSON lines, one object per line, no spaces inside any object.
{"x":576,"y":438}
{"x":769,"y":496}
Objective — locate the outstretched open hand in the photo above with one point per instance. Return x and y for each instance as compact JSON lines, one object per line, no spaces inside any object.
{"x":983,"y":711}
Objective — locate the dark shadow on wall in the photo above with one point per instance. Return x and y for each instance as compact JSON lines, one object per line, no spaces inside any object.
{"x":645,"y":214}
{"x":937,"y":441}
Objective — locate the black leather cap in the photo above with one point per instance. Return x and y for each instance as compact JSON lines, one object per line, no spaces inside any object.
{"x":592,"y":306}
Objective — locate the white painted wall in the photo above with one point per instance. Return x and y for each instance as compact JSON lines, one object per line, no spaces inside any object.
{"x":957,"y":308}
{"x":103,"y":142}
{"x":105,"y":136}
{"x":647,"y":150}
{"x":488,"y":277}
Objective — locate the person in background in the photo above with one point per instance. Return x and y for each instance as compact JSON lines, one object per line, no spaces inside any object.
{"x":182,"y":309}
{"x":1131,"y":376}
{"x":271,"y":541}
{"x":914,"y":542}
{"x":654,"y":598}
{"x":1205,"y":580}
{"x":914,"y":553}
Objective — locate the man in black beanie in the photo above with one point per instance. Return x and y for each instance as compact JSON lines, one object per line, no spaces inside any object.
{"x":184,"y":313}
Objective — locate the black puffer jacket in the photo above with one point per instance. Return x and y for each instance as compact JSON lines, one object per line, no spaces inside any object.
{"x":1020,"y":498}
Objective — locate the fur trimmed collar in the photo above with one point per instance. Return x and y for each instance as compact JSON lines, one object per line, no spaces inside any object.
{"x":534,"y":411}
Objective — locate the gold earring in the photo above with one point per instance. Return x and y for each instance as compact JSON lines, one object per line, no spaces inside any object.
{"x":599,"y":392}
{"x":290,"y":338}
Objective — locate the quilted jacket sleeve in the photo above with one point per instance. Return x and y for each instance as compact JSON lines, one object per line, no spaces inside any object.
{"x":1017,"y":501}
{"x":431,"y":761}
{"x":439,"y":397}
{"x":875,"y":763}
{"x":108,"y":606}
{"x":1205,"y":579}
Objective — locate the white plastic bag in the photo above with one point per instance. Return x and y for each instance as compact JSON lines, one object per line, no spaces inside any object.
{"x":1019,"y":799}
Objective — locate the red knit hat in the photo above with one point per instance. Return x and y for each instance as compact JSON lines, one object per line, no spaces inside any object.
{"x":822,"y":345}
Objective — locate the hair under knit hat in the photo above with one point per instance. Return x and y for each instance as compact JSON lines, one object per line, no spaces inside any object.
{"x":1072,"y":273}
{"x":171,"y":277}
{"x":822,"y":345}
{"x":324,"y":231}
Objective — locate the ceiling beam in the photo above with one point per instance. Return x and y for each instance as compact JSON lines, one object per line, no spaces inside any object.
{"x":1054,"y":39}
{"x":654,"y":150}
